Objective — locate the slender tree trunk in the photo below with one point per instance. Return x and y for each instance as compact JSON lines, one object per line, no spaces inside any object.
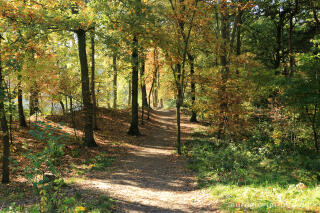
{"x":22,"y":118}
{"x":134,"y":127}
{"x":144,"y":100}
{"x":86,"y":97}
{"x":62,"y":106}
{"x":193,"y":90}
{"x":93,"y":92}
{"x":143,"y":83}
{"x":71,"y":104}
{"x":279,"y":42}
{"x":238,"y":47}
{"x":150,"y":92}
{"x":4,"y":128}
{"x":224,"y":73}
{"x":34,"y":101}
{"x":315,"y":136}
{"x":66,"y":98}
{"x":179,"y":100}
{"x":51,"y":108}
{"x":115,"y":79}
{"x":73,"y":118}
{"x":291,"y":58}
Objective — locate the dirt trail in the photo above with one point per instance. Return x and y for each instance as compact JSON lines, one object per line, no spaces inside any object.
{"x":151,"y":177}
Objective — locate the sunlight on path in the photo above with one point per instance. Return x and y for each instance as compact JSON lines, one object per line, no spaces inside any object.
{"x":151,"y":178}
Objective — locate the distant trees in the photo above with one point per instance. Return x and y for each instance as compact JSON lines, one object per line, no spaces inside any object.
{"x":216,"y":60}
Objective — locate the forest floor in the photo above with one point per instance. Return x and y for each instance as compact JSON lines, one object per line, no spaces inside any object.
{"x":146,"y":174}
{"x":151,"y":177}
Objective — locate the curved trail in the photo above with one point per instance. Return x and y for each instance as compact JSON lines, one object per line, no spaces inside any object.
{"x":151,"y":177}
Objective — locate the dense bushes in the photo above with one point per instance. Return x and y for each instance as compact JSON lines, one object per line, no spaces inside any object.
{"x":242,"y":172}
{"x":252,"y":161}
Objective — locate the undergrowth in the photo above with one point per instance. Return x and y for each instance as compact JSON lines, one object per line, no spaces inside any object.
{"x":254,"y":175}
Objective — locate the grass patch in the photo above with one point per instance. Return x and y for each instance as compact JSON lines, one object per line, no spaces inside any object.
{"x":100,"y":162}
{"x":255,"y":176}
{"x":270,"y":198}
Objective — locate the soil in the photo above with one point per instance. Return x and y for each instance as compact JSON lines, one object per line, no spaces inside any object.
{"x":151,"y":177}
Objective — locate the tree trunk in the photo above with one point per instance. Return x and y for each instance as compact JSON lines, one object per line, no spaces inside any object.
{"x":144,"y":100}
{"x":143,"y":84}
{"x":5,"y":130}
{"x":238,"y":47}
{"x":155,"y":97}
{"x":66,"y":98}
{"x":193,"y":90}
{"x":22,"y":118}
{"x":86,"y":97}
{"x":34,"y":101}
{"x":291,"y":58}
{"x":71,"y":104}
{"x":315,"y":136}
{"x":150,"y":92}
{"x":179,"y":101}
{"x":224,"y":73}
{"x":134,"y":127}
{"x":115,"y":79}
{"x":279,"y":42}
{"x":62,"y":106}
{"x":93,"y":92}
{"x":51,"y":108}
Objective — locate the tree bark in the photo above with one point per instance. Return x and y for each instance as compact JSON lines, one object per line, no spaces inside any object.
{"x":22,"y":118}
{"x":62,"y":106}
{"x":134,"y":127}
{"x":279,"y":41}
{"x":143,"y":84}
{"x":224,"y":72}
{"x":5,"y":130}
{"x":238,"y":47}
{"x":86,"y":97}
{"x":34,"y":101}
{"x":115,"y":79}
{"x":71,"y":104}
{"x":93,"y":92}
{"x":315,"y":136}
{"x":66,"y":98}
{"x":179,"y":102}
{"x":144,"y":100}
{"x":150,"y":92}
{"x":193,"y":89}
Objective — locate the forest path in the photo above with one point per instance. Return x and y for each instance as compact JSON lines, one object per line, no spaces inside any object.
{"x":151,"y":177}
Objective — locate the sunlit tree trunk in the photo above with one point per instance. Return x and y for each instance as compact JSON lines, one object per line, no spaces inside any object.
{"x":86,"y":97}
{"x":93,"y":92}
{"x":115,"y":80}
{"x":144,"y":100}
{"x":193,"y":90}
{"x":143,"y":83}
{"x":179,"y":102}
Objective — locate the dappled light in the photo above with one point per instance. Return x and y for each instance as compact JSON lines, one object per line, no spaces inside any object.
{"x":183,"y":106}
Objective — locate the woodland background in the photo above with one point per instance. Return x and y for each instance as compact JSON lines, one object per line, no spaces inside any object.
{"x":247,"y":70}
